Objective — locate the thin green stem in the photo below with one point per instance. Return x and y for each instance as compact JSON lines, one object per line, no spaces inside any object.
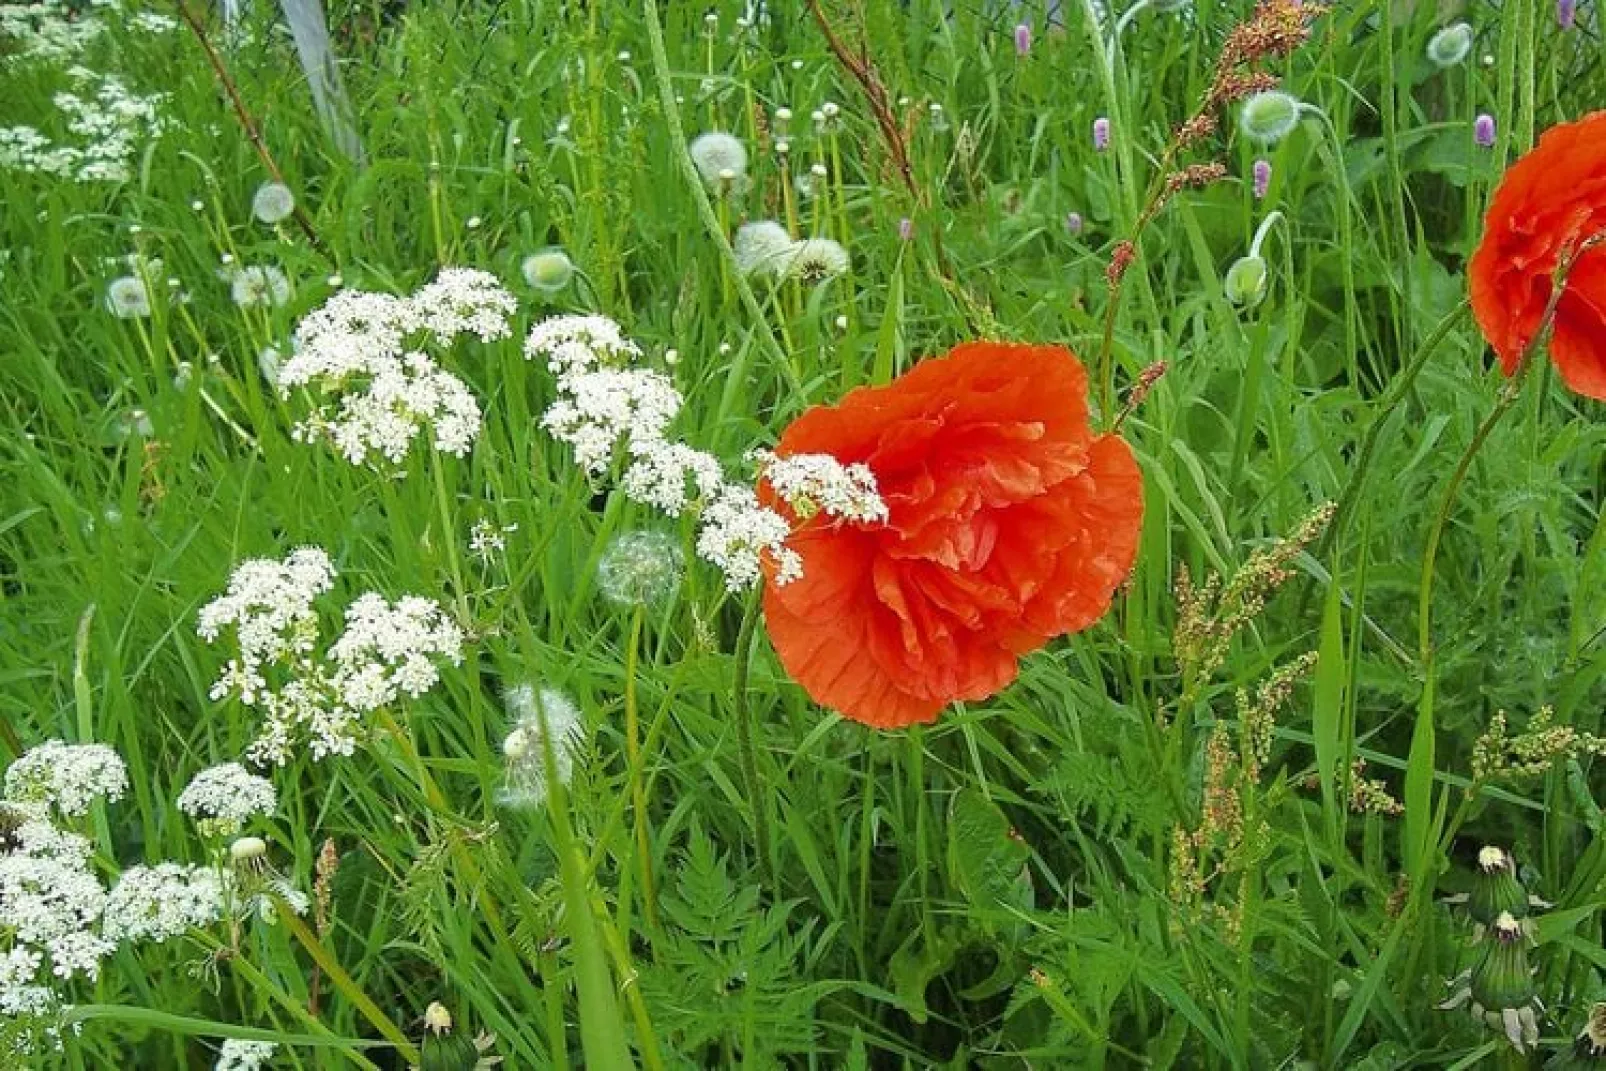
{"x":744,"y":740}
{"x":638,"y":792}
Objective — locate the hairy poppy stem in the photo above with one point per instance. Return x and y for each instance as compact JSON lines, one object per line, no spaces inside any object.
{"x":744,"y":741}
{"x":638,"y":792}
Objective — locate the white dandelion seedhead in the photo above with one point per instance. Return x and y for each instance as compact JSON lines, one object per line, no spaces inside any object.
{"x":127,"y":298}
{"x":1451,"y":45}
{"x":815,"y":260}
{"x":640,"y":568}
{"x":273,"y":202}
{"x":1269,"y":116}
{"x":259,"y":285}
{"x":222,"y":799}
{"x":714,"y":153}
{"x":762,"y":247}
{"x":539,"y":715}
{"x":68,"y":778}
{"x":548,"y":271}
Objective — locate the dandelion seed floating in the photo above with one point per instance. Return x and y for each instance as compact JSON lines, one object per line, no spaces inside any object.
{"x":1450,"y":46}
{"x":272,"y":203}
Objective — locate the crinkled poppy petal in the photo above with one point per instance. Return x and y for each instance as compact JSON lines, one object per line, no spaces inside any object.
{"x":1578,"y":341}
{"x":1009,"y":523}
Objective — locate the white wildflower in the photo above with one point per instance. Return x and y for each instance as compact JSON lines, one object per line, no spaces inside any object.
{"x":487,"y":540}
{"x":269,"y":605}
{"x":273,"y":202}
{"x":51,"y":907}
{"x":574,"y":344}
{"x":608,"y":406}
{"x":162,"y":902}
{"x":540,"y":715}
{"x":389,"y":650}
{"x":224,"y":798}
{"x":670,"y":476}
{"x":814,"y":483}
{"x":67,"y":777}
{"x":738,"y":536}
{"x":259,"y":284}
{"x":238,"y":1055}
{"x":465,"y":301}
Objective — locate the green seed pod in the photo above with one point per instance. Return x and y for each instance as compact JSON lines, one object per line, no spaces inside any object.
{"x":1269,"y":116}
{"x":1495,"y":888}
{"x":1246,"y":280}
{"x":549,"y":270}
{"x":1450,"y":46}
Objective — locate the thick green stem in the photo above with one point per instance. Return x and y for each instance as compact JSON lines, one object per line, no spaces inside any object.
{"x":638,"y":792}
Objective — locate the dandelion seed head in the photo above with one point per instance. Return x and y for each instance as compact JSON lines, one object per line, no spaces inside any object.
{"x":257,"y":285}
{"x":816,"y":260}
{"x":715,"y":152}
{"x":761,"y":247}
{"x":273,"y":202}
{"x":127,"y":298}
{"x":539,"y":715}
{"x":641,"y":568}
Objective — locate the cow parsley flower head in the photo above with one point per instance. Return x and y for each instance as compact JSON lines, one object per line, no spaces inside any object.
{"x":548,"y":271}
{"x":224,"y":798}
{"x":670,"y":476}
{"x":258,"y":285}
{"x":603,"y":408}
{"x":389,"y":649}
{"x":465,"y":301}
{"x":268,"y":604}
{"x":540,"y":715}
{"x":273,"y":202}
{"x":162,"y":902}
{"x":739,"y":537}
{"x":66,"y":777}
{"x":762,"y":247}
{"x":814,"y":260}
{"x":571,"y":345}
{"x":818,"y":483}
{"x":127,"y":298}
{"x":640,"y":568}
{"x":239,"y":1055}
{"x":716,"y":152}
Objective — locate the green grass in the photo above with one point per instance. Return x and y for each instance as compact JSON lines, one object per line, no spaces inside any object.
{"x":991,"y":891}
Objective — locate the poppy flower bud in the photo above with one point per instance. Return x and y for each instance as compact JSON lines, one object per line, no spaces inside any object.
{"x":1269,"y":116}
{"x":1495,"y":888}
{"x":1451,"y":45}
{"x":1246,"y":281}
{"x":548,"y":271}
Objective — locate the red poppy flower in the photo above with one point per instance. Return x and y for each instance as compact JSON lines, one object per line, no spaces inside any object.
{"x":1009,"y":523}
{"x":1551,"y":198}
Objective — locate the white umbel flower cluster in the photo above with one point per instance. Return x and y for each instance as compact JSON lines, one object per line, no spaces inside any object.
{"x":104,"y":124}
{"x":386,"y":651}
{"x":238,"y":1055}
{"x":819,"y":483}
{"x":222,"y":799}
{"x":605,"y":408}
{"x":159,"y":903}
{"x":67,"y":777}
{"x":377,"y":389}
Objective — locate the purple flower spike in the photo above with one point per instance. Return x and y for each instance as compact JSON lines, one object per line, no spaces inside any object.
{"x":1073,"y":224}
{"x":1566,"y":13}
{"x":1023,"y":39}
{"x":1101,"y":133}
{"x":1261,"y":173}
{"x":1483,"y":130}
{"x":906,"y":228}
